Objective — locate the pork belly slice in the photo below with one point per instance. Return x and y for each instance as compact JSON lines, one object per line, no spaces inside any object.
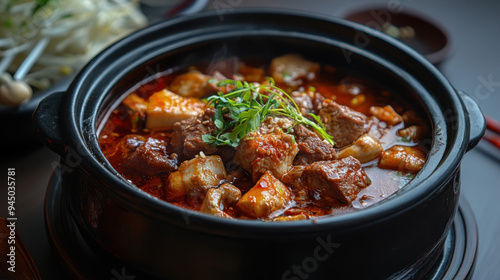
{"x":328,"y":181}
{"x":267,"y":196}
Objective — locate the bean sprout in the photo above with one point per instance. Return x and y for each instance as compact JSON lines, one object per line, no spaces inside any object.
{"x":68,"y":32}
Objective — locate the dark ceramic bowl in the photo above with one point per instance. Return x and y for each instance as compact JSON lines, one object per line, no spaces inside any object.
{"x":430,"y":39}
{"x":399,"y":238}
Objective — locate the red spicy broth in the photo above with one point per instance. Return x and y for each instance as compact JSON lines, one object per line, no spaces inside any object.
{"x":344,"y":88}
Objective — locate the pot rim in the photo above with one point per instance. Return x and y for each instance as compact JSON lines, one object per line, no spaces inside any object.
{"x":424,"y":185}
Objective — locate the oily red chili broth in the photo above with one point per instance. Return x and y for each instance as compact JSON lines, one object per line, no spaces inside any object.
{"x":131,"y":147}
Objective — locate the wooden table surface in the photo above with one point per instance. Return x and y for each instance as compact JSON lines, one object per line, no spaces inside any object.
{"x":472,"y":66}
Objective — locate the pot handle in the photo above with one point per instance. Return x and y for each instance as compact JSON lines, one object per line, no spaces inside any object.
{"x":477,"y":121}
{"x":46,"y":124}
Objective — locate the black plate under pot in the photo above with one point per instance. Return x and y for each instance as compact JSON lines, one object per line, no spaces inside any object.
{"x":456,"y":261}
{"x":400,"y":237}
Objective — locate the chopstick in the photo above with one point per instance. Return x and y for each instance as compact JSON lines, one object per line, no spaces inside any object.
{"x":493,"y":126}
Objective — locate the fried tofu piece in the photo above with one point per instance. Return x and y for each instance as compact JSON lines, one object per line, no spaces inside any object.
{"x":266,"y":197}
{"x":403,"y":158}
{"x":258,"y":153}
{"x":195,"y":176}
{"x":165,"y":108}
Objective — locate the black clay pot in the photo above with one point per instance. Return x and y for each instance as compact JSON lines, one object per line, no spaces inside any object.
{"x":398,"y":238}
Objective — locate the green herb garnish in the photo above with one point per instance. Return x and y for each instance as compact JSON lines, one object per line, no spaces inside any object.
{"x":243,"y":109}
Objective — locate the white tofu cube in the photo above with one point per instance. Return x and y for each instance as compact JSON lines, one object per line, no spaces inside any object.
{"x":165,"y":108}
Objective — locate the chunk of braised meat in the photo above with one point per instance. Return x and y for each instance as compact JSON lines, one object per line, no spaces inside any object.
{"x":136,"y":103}
{"x":365,"y":149}
{"x":238,"y":176}
{"x":271,"y":124}
{"x":341,"y":122}
{"x":192,"y":84}
{"x":411,"y":117}
{"x":311,"y":147}
{"x":147,"y":156}
{"x":252,"y":74}
{"x":415,"y":127}
{"x":304,"y":101}
{"x":194,"y":177}
{"x":267,"y":196}
{"x":414,"y":132}
{"x":351,"y":85}
{"x":308,"y":101}
{"x":137,"y":106}
{"x":375,"y":128}
{"x":218,"y":199}
{"x":187,"y":136}
{"x":130,"y":113}
{"x":267,"y":149}
{"x":293,"y":179}
{"x":386,"y":114}
{"x":293,"y":69}
{"x":403,"y":158}
{"x":328,"y":181}
{"x":196,"y":84}
{"x":293,"y":176}
{"x":317,"y":101}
